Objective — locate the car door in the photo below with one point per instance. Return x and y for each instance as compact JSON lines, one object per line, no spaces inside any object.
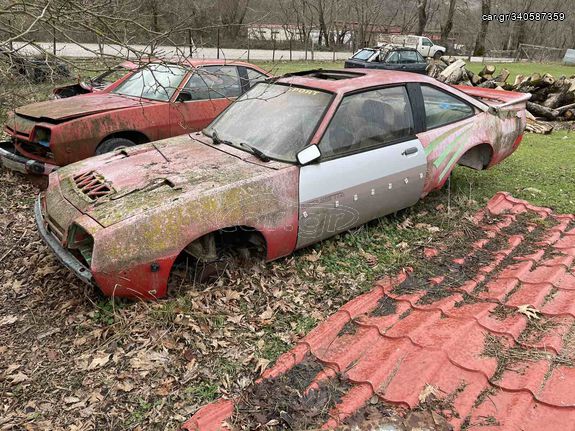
{"x":208,"y":91}
{"x":409,"y":61}
{"x":425,"y":46}
{"x":372,"y":164}
{"x":392,"y":61}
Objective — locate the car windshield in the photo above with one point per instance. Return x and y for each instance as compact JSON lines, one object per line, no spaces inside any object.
{"x":276,"y":120}
{"x":155,"y":82}
{"x":364,"y":54}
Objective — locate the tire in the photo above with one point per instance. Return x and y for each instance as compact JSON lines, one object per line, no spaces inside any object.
{"x":438,"y":55}
{"x":113,"y":144}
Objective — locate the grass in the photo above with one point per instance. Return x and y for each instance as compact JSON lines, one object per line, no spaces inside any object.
{"x":541,"y":171}
{"x":555,"y":69}
{"x":515,"y":69}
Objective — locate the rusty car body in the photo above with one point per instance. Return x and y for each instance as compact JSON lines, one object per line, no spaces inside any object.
{"x":291,"y":162}
{"x":110,"y":77}
{"x":159,"y":100}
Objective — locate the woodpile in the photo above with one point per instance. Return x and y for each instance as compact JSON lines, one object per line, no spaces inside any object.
{"x":553,"y":99}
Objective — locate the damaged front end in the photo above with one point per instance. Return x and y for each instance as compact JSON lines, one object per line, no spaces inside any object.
{"x":53,"y":236}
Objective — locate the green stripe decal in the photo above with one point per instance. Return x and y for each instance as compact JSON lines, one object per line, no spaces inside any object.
{"x":442,"y":137}
{"x":450,"y":148}
{"x":450,"y":163}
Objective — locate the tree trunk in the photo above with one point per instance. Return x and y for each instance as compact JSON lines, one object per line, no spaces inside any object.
{"x":480,"y":41}
{"x":322,"y":27}
{"x":421,"y":16}
{"x":446,"y":28}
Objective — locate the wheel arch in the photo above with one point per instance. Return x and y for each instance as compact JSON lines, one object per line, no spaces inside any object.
{"x":478,"y":157}
{"x":133,"y":135}
{"x":236,"y":235}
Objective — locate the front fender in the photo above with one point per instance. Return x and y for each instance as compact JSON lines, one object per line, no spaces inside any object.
{"x":125,"y":252}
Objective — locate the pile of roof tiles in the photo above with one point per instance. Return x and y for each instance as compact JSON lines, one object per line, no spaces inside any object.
{"x":486,"y":339}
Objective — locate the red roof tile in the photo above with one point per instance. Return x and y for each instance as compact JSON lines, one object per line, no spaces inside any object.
{"x":498,"y":342}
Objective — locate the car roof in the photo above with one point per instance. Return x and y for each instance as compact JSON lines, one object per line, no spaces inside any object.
{"x":390,"y":47}
{"x":346,"y":80}
{"x":199,"y":62}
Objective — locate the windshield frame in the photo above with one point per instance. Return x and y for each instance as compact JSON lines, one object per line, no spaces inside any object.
{"x":322,"y":117}
{"x":130,"y":73}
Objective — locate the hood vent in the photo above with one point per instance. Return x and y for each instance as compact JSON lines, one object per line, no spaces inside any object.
{"x":92,"y":185}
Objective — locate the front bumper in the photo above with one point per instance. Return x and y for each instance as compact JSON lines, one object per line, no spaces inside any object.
{"x":14,"y":161}
{"x":67,"y":258}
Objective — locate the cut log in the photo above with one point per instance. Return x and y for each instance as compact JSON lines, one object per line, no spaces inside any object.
{"x":548,"y":79}
{"x":434,"y":69}
{"x":535,"y":126}
{"x":503,"y":75}
{"x":487,"y":71}
{"x":453,"y":73}
{"x":565,"y":108}
{"x":534,"y":79}
{"x":569,"y":115}
{"x":554,"y":100}
{"x":542,"y":111}
{"x":488,"y":84}
{"x":518,"y":80}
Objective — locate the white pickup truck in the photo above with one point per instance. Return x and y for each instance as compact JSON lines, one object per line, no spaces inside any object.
{"x":423,"y":44}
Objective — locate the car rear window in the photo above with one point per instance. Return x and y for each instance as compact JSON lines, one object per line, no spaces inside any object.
{"x":442,"y":108}
{"x":364,"y":54}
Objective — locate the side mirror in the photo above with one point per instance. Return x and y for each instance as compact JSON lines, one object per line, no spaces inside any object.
{"x":308,"y":155}
{"x":184,"y":96}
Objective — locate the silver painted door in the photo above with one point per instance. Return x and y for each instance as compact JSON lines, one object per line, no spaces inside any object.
{"x":358,"y":184}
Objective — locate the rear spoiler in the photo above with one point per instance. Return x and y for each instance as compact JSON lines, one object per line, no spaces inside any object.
{"x":506,"y":98}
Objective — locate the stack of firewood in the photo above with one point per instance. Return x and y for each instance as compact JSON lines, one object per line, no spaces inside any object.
{"x":553,"y":99}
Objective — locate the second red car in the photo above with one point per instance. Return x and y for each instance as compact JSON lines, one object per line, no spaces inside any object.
{"x":157,"y":101}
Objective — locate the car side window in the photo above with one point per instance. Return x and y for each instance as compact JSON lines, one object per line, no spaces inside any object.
{"x":442,"y":108}
{"x":393,"y":57}
{"x":214,"y":82}
{"x":408,"y":57}
{"x":254,"y":76}
{"x":368,"y":120}
{"x":426,"y":42}
{"x":420,"y":58}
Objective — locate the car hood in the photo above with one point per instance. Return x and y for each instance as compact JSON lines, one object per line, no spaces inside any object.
{"x":68,"y":108}
{"x":115,"y":187}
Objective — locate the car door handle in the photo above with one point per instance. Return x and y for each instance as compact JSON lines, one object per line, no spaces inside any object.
{"x":409,"y":151}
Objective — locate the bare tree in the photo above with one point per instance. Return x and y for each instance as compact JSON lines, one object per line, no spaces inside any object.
{"x":421,"y":16}
{"x":479,"y":48}
{"x":448,"y":26}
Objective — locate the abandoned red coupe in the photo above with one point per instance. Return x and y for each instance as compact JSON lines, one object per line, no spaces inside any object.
{"x":157,"y":101}
{"x":291,"y":162}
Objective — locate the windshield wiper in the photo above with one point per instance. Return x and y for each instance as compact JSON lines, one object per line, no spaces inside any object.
{"x":216,"y":139}
{"x":260,"y":155}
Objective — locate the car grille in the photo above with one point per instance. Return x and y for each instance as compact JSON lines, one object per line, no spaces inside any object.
{"x":36,"y":149}
{"x":92,"y":185}
{"x":55,"y":228}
